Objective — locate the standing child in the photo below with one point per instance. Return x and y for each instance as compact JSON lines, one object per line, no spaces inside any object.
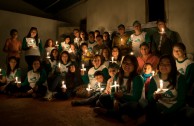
{"x":32,"y":45}
{"x":186,"y":67}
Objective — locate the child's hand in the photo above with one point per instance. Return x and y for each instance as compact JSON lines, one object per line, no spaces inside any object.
{"x":157,"y":95}
{"x":82,"y":72}
{"x":118,"y":95}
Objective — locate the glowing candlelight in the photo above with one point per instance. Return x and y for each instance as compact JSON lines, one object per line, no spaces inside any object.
{"x":83,"y":67}
{"x":0,"y":70}
{"x":122,"y":60}
{"x":48,"y":55}
{"x":162,"y":30}
{"x":59,"y":65}
{"x":16,"y":79}
{"x":88,"y":88}
{"x":57,"y":43}
{"x":115,"y":86}
{"x":161,"y":84}
{"x":121,"y":39}
{"x":63,"y":85}
{"x":131,"y":53}
{"x":153,"y":72}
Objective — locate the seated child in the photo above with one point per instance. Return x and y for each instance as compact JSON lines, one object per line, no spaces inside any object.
{"x":96,"y":91}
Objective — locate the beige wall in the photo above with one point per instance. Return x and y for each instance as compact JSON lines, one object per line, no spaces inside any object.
{"x":47,"y":28}
{"x":181,"y":19}
{"x":107,"y":14}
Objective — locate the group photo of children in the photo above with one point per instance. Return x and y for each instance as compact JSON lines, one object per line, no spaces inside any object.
{"x":121,"y":74}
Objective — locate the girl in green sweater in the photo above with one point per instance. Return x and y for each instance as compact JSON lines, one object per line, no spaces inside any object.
{"x":166,"y":94}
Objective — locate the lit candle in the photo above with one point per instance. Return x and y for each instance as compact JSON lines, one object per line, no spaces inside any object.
{"x":0,"y":70}
{"x":161,"y":84}
{"x":57,"y":43}
{"x":16,"y":79}
{"x":122,"y":60}
{"x":83,"y":68}
{"x":48,"y":55}
{"x":121,"y":39}
{"x":153,"y":72}
{"x":131,"y":53}
{"x":88,"y":88}
{"x":63,"y":85}
{"x":115,"y":86}
{"x":162,"y":31}
{"x":59,"y":65}
{"x":112,"y":58}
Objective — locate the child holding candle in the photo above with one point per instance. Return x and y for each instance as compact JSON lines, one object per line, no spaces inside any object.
{"x":32,"y":45}
{"x":125,"y":101}
{"x":164,"y":107}
{"x":49,"y":46}
{"x":106,"y":56}
{"x":60,"y":73}
{"x":116,"y":57}
{"x":51,"y":63}
{"x":86,"y":56}
{"x":95,"y":92}
{"x":65,"y":46}
{"x":33,"y":85}
{"x":186,"y":67}
{"x":13,"y":74}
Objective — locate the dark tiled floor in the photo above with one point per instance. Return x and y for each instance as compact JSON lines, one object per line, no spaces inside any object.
{"x":34,"y":112}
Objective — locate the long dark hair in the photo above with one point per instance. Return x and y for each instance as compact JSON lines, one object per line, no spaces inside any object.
{"x":38,"y":59}
{"x":47,"y":41}
{"x":51,"y":55}
{"x":73,"y":78}
{"x":172,"y":77}
{"x":36,"y":37}
{"x":60,"y":57}
{"x":8,"y":65}
{"x":134,"y":73}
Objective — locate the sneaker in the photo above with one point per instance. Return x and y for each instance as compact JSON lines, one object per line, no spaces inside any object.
{"x":100,"y":110}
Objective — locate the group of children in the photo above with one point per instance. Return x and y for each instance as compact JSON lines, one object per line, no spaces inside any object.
{"x":114,"y":84}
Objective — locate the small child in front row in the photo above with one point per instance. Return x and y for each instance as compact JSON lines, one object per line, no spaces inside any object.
{"x":146,"y":76}
{"x":95,"y":93}
{"x":112,"y":70}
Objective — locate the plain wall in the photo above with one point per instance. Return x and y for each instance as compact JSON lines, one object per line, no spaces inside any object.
{"x":107,"y":14}
{"x":47,"y":28}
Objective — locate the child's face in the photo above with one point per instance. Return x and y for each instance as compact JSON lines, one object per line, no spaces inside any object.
{"x":105,"y":53}
{"x":112,"y":71}
{"x":91,"y":38}
{"x":99,"y":40}
{"x":33,"y":33}
{"x":72,"y":47}
{"x":36,"y":65}
{"x":147,"y":69}
{"x":144,"y":50}
{"x":127,"y":66}
{"x":99,"y":78}
{"x":55,"y":53}
{"x":50,"y":43}
{"x":72,"y":69}
{"x":105,"y":37}
{"x":12,"y":63}
{"x":178,"y":52}
{"x":97,"y":62}
{"x":67,"y":40}
{"x":115,"y":52}
{"x":64,"y":58}
{"x":84,"y":48}
{"x":165,"y":66}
